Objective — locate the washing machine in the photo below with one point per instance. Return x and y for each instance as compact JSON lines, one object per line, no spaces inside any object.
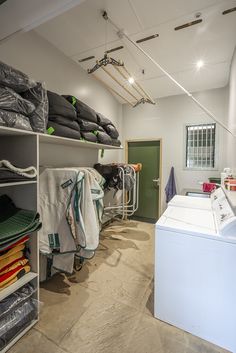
{"x":195,"y":271}
{"x":204,"y":203}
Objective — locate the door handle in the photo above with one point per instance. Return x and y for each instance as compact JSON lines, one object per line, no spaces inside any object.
{"x":156,"y":182}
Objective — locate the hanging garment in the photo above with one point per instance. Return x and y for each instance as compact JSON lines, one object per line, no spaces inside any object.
{"x":12,"y":101}
{"x":15,"y":79}
{"x":64,"y":131}
{"x":38,"y":96}
{"x":15,"y":120}
{"x":170,"y":188}
{"x":82,"y":109}
{"x":58,"y":105}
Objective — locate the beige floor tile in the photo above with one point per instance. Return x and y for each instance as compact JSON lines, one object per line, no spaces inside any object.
{"x":35,"y":342}
{"x":104,"y":328}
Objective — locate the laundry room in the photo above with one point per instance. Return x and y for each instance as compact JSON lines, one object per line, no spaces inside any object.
{"x":117,"y":176}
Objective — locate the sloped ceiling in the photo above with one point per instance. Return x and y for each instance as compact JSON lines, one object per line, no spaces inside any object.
{"x":82,"y":32}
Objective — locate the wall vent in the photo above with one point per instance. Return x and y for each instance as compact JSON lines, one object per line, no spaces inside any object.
{"x":114,"y":49}
{"x":86,"y":59}
{"x":147,"y":38}
{"x":229,"y":11}
{"x":189,"y":24}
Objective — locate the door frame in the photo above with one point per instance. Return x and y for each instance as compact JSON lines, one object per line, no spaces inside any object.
{"x":160,"y":164}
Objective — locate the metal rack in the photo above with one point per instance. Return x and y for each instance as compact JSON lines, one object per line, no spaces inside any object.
{"x":129,"y":198}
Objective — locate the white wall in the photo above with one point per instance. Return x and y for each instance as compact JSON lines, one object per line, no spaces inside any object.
{"x":40,"y":60}
{"x":166,"y":120}
{"x":231,"y":143}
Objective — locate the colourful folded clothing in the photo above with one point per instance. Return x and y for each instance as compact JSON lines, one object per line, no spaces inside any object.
{"x":7,"y":278}
{"x":23,"y":239}
{"x":12,"y":251}
{"x":11,"y":258}
{"x":20,"y":262}
{"x":208,"y":187}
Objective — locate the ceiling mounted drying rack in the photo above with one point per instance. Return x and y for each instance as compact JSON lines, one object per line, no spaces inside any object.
{"x":138,"y":94}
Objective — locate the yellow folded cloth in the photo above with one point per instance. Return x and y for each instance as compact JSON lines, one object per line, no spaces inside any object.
{"x":8,"y":260}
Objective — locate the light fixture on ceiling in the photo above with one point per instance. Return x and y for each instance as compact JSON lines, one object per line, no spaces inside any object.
{"x":199,"y":64}
{"x":131,"y":80}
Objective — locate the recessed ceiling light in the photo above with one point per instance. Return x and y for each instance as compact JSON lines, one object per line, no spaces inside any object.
{"x":200,"y":64}
{"x":131,"y":80}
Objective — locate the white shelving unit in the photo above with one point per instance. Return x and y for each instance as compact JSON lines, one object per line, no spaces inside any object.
{"x":24,"y":148}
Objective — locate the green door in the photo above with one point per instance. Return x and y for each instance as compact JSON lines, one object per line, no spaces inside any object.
{"x":147,"y":153}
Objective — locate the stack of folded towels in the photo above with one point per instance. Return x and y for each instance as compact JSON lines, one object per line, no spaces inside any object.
{"x":23,"y":102}
{"x":69,"y":117}
{"x":16,"y":225}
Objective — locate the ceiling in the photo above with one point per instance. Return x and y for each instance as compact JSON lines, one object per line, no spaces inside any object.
{"x":82,"y":32}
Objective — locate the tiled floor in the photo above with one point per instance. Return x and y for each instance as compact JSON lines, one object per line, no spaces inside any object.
{"x":107,"y":307}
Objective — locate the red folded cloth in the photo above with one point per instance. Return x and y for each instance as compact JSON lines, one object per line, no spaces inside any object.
{"x":208,"y":187}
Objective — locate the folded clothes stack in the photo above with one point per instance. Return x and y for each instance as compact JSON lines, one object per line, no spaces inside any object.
{"x":17,"y":311}
{"x":16,"y":225}
{"x":94,"y":127}
{"x":23,"y":102}
{"x":62,"y":117}
{"x":10,"y":173}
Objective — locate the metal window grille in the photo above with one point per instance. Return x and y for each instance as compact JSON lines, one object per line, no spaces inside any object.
{"x":200,"y":146}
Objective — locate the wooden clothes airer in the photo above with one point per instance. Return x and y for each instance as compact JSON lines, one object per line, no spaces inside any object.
{"x":135,"y":91}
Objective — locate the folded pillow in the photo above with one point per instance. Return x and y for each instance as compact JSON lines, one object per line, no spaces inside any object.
{"x":58,"y":105}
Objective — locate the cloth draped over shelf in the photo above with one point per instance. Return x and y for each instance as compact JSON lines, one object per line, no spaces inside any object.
{"x":11,"y":173}
{"x":71,"y":207}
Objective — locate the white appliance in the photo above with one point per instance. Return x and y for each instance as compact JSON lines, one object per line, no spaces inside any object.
{"x":195,"y":270}
{"x":202,"y":203}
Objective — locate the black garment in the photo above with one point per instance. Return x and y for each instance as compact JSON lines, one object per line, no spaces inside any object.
{"x":61,"y":120}
{"x":83,"y":110}
{"x":89,"y":136}
{"x":58,"y":105}
{"x":102,"y":120}
{"x":12,"y":101}
{"x":86,"y":125}
{"x":116,"y":143}
{"x":111,"y":130}
{"x":64,"y":131}
{"x":7,"y":176}
{"x":11,"y":302}
{"x":15,"y":120}
{"x":15,"y":79}
{"x":38,"y":96}
{"x":110,"y":173}
{"x":104,"y":138}
{"x":17,"y":321}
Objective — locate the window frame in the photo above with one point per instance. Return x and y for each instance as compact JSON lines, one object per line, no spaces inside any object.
{"x":215,"y":168}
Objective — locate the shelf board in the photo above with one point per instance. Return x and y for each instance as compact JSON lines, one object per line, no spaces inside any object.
{"x":2,"y":185}
{"x":57,"y":140}
{"x":18,"y":284}
{"x":9,"y":131}
{"x":21,"y":334}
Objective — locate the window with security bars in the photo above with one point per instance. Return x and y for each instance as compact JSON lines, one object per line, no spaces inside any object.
{"x":200,"y":146}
